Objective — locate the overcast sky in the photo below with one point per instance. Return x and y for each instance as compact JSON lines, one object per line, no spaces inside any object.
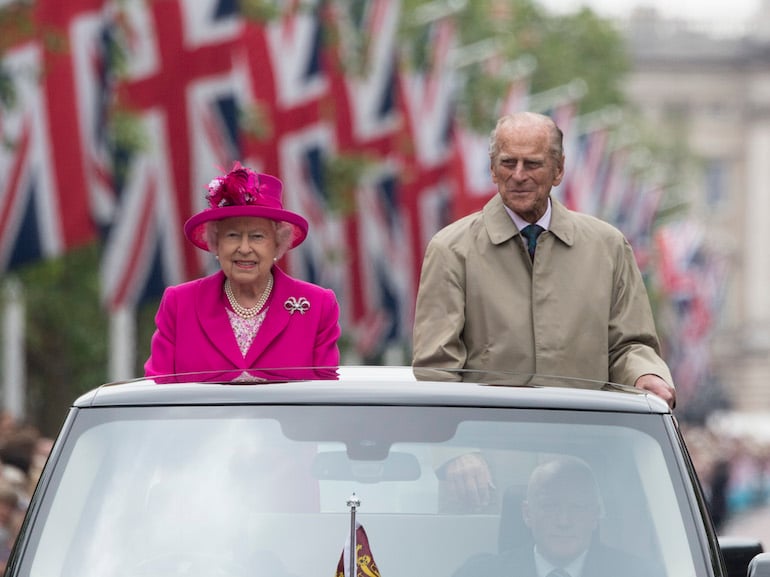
{"x":719,"y":13}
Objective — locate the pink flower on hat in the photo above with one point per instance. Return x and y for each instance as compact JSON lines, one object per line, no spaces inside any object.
{"x":240,"y":186}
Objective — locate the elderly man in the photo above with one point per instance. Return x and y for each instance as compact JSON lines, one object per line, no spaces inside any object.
{"x":527,"y":286}
{"x":562,"y":510}
{"x":568,"y":301}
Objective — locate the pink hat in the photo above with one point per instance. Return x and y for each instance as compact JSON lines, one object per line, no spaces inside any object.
{"x":243,"y":192}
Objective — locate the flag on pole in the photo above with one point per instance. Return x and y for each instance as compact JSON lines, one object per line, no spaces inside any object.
{"x":43,"y":200}
{"x":586,"y":168}
{"x":387,"y":281}
{"x":191,"y":113}
{"x":364,"y":560}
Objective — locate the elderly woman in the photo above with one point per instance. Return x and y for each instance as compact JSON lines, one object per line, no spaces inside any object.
{"x":250,"y":314}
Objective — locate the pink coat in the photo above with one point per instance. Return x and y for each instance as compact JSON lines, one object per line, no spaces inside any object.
{"x":194,"y":334}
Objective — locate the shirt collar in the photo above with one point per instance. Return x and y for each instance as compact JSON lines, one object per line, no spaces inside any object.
{"x":543,"y":567}
{"x":545,"y":220}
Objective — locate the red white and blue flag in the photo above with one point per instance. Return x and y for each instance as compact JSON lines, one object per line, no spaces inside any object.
{"x":692,"y":281}
{"x":202,"y":87}
{"x":43,"y":192}
{"x":303,"y":155}
{"x":427,"y":147}
{"x":387,"y":269}
{"x":585,"y":170}
{"x":182,"y":86}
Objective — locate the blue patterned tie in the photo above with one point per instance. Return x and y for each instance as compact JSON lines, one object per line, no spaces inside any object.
{"x":531,"y":232}
{"x":558,"y":572}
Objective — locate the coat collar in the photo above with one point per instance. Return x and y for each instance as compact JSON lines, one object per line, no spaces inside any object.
{"x":501,"y":228}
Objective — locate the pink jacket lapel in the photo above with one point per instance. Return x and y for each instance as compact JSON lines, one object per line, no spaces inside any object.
{"x":210,"y":304}
{"x":276,"y":318}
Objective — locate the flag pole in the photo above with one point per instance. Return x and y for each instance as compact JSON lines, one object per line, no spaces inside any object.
{"x":353,"y":502}
{"x":13,"y":339}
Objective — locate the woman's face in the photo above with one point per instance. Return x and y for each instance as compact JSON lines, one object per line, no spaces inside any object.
{"x":246,"y":247}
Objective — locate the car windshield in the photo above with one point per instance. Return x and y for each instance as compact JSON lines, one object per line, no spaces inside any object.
{"x":275,"y":490}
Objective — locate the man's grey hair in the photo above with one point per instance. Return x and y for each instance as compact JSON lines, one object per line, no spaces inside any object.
{"x":521,"y":118}
{"x":565,"y":468}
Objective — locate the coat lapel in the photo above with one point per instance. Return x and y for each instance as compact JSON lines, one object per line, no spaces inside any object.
{"x":210,"y":304}
{"x":276,"y":319}
{"x":562,"y":223}
{"x":499,"y":224}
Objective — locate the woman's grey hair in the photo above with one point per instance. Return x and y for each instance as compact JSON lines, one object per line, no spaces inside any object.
{"x":284,"y":234}
{"x":520,"y":118}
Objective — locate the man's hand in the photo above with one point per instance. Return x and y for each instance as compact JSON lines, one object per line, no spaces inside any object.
{"x":468,"y":483}
{"x":657,"y":386}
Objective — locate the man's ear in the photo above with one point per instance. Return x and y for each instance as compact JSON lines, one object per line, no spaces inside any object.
{"x":559,"y":172}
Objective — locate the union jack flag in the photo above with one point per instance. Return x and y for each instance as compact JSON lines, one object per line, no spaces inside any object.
{"x":43,"y":191}
{"x":189,"y":114}
{"x":303,"y":156}
{"x":618,"y":182}
{"x":372,"y":79}
{"x":387,"y":279}
{"x":471,"y":171}
{"x":428,"y":96}
{"x":370,"y":124}
{"x":586,"y":168}
{"x":285,"y":59}
{"x":296,"y":56}
{"x":95,"y":41}
{"x":692,"y":279}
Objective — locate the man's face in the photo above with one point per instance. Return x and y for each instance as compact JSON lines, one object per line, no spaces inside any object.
{"x":562,"y":515}
{"x":524,"y":169}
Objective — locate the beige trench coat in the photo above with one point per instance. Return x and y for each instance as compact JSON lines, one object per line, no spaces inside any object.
{"x":580,"y":310}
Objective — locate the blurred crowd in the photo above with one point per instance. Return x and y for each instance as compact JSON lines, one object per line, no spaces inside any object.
{"x":23,"y":452}
{"x":734,"y":470}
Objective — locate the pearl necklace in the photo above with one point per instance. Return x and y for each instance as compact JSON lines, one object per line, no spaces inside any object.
{"x":242,"y":311}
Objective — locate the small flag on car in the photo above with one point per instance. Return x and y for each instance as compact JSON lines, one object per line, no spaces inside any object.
{"x":364,"y":561}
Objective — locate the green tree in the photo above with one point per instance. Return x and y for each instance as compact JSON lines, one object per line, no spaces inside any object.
{"x":567,"y":47}
{"x":584,"y":46}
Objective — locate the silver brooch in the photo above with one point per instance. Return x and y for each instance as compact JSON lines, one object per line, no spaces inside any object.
{"x":300,"y":305}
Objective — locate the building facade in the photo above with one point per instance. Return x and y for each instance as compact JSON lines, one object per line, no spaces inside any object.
{"x":711,"y":93}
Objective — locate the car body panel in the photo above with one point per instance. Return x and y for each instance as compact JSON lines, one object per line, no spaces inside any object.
{"x":389,"y":385}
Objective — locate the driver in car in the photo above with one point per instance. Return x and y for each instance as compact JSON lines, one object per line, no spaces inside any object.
{"x":562,"y":510}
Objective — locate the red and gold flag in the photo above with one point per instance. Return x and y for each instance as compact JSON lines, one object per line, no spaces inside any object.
{"x":365,"y":565}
